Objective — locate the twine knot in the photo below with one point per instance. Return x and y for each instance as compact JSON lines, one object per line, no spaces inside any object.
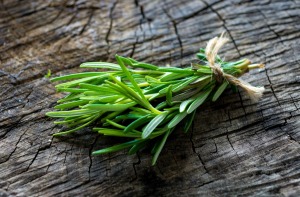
{"x":211,"y":51}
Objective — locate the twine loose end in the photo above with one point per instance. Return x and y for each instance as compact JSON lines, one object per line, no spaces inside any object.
{"x":211,"y":51}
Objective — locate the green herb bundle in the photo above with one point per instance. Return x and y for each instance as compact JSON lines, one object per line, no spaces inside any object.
{"x":142,"y":101}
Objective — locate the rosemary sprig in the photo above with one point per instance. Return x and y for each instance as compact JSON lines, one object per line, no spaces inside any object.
{"x":141,"y":101}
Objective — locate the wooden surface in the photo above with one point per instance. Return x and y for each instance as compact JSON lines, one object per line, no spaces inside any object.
{"x":236,"y":148}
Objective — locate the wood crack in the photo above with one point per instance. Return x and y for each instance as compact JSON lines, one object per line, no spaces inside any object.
{"x":225,"y":27}
{"x":176,"y":31}
{"x":110,"y":26}
{"x":90,"y":155}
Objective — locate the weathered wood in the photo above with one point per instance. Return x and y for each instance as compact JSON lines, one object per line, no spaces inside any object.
{"x":235,"y":148}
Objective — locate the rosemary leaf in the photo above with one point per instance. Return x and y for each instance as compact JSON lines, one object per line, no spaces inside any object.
{"x":190,"y":118}
{"x":116,"y":132}
{"x":108,"y":107}
{"x":153,"y":124}
{"x":77,"y":75}
{"x":177,"y":119}
{"x":116,"y":147}
{"x":70,"y":104}
{"x":220,"y":90}
{"x":138,"y":122}
{"x":138,"y":146}
{"x":160,"y":146}
{"x":105,"y":65}
{"x":71,"y":113}
{"x":198,"y":101}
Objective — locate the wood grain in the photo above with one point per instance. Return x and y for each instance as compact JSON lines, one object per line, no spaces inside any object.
{"x":236,"y":148}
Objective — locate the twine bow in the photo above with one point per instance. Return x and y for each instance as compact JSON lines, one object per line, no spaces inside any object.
{"x":211,"y":51}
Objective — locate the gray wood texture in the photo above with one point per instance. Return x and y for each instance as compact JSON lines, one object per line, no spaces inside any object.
{"x":236,"y":148}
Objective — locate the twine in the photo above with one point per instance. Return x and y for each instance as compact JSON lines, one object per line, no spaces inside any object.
{"x":211,"y":51}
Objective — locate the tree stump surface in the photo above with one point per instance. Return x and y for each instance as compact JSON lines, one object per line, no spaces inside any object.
{"x":235,"y":148}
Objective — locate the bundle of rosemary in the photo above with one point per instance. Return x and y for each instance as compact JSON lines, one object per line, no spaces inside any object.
{"x":145,"y":102}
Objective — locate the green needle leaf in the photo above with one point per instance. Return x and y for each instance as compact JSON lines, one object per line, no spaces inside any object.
{"x":75,"y":129}
{"x":71,"y":104}
{"x":115,"y":124}
{"x":138,"y":122}
{"x":205,"y":70}
{"x":101,"y":89}
{"x":184,"y":84}
{"x":190,"y":119}
{"x":160,"y":146}
{"x":220,"y":90}
{"x":177,"y":119}
{"x":73,"y":90}
{"x":77,"y":75}
{"x":144,"y":65}
{"x":116,"y":147}
{"x":184,"y":104}
{"x":76,"y":82}
{"x":138,"y":146}
{"x":116,"y":132}
{"x":169,"y":95}
{"x":109,"y":107}
{"x":198,"y":101}
{"x":173,"y":76}
{"x":155,"y":89}
{"x":153,"y":124}
{"x":105,"y":65}
{"x":71,"y":113}
{"x":176,"y":70}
